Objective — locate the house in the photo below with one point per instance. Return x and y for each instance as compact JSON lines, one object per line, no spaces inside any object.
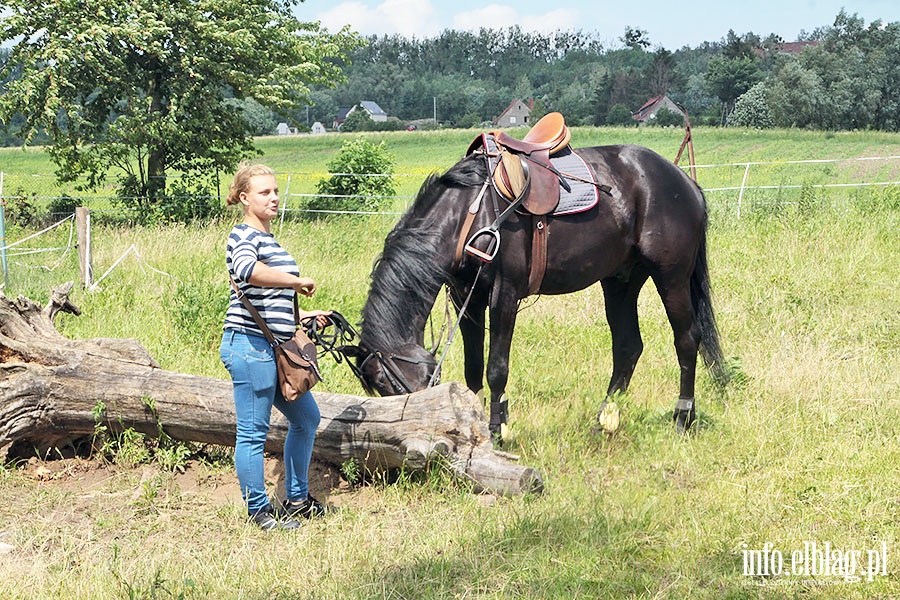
{"x":516,"y":114}
{"x":317,"y":128}
{"x":341,"y":117}
{"x":285,"y":129}
{"x":652,"y":106}
{"x":787,"y":47}
{"x":375,"y":113}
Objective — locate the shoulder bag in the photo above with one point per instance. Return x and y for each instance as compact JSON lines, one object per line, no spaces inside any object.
{"x":295,"y":359}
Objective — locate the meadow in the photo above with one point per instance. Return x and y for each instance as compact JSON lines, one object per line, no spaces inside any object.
{"x":799,"y":452}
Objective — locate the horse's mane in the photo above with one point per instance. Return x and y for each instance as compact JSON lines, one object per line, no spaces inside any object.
{"x":408,"y":274}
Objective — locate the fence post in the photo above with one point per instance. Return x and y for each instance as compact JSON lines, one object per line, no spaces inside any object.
{"x":3,"y":233}
{"x":83,"y":227}
{"x":287,"y":192}
{"x":743,"y":183}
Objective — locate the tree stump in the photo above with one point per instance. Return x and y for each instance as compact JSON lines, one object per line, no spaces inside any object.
{"x":54,"y":390}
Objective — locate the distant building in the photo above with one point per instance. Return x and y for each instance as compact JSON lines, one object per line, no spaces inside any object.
{"x":285,"y":129}
{"x":317,"y":128}
{"x":787,"y":48}
{"x":516,"y":114}
{"x":375,"y":113}
{"x":652,"y":106}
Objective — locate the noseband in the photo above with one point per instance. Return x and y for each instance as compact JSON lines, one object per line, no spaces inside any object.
{"x":391,"y":371}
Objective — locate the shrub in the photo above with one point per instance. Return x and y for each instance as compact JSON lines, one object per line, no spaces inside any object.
{"x":619,"y":115}
{"x":21,"y":208}
{"x":668,"y":118}
{"x":361,"y":179}
{"x":63,"y":206}
{"x":752,"y":110}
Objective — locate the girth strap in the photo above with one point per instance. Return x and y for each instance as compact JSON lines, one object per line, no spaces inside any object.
{"x":538,"y":254}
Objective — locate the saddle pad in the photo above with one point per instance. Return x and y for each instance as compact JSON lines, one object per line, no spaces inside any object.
{"x":584,"y":195}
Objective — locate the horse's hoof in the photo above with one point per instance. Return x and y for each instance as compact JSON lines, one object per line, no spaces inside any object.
{"x":684,"y":415}
{"x":609,"y":418}
{"x":498,"y":434}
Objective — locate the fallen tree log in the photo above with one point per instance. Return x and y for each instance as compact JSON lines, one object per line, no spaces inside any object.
{"x":54,"y":390}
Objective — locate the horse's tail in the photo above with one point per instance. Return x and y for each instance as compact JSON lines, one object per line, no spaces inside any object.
{"x":705,"y":318}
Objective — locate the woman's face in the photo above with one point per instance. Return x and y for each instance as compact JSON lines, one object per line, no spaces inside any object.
{"x":261,"y":198}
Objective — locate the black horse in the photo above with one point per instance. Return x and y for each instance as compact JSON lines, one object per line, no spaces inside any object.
{"x":650,"y":224}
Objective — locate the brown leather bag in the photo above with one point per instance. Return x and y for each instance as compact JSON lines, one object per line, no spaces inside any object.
{"x":295,"y":359}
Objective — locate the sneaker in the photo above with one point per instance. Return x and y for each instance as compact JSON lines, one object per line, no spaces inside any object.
{"x":306,"y":509}
{"x":267,"y":519}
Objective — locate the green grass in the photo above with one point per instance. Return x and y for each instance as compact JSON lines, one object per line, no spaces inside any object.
{"x":801,"y":448}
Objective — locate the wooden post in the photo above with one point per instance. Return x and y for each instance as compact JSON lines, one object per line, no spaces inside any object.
{"x":3,"y":233}
{"x":83,"y":226}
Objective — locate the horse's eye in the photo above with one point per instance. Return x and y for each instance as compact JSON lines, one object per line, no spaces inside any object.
{"x":380,"y":381}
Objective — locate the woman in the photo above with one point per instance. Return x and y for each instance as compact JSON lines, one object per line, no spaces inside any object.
{"x":269,"y":277}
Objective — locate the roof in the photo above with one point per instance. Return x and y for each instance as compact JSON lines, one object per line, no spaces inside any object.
{"x":795,"y":47}
{"x":529,"y":104}
{"x":647,"y":107}
{"x":342,"y":113}
{"x":652,"y":105}
{"x":372,"y":108}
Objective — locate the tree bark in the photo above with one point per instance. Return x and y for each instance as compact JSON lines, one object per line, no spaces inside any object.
{"x":54,"y":390}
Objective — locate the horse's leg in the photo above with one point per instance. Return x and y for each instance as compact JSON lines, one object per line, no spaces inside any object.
{"x":503,"y":321}
{"x":620,"y":296}
{"x":621,"y":312}
{"x":472,"y":329}
{"x":676,"y":299}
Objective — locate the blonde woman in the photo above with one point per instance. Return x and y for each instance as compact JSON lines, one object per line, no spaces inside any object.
{"x":268,"y":276}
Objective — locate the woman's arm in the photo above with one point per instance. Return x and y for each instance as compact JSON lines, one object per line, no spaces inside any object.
{"x":265,"y":276}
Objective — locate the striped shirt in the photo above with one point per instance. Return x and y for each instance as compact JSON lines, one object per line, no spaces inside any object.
{"x":247,"y":246}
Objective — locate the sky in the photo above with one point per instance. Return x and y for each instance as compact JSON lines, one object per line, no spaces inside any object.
{"x":670,"y":24}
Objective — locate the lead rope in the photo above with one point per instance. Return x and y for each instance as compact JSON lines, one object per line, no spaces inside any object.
{"x":462,"y":312}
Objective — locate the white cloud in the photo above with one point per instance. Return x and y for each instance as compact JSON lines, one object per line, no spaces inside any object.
{"x":561,"y":18}
{"x":493,"y":16}
{"x":410,"y":18}
{"x":501,"y":16}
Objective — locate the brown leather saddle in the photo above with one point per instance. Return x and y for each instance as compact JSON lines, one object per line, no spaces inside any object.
{"x":522,"y":173}
{"x":523,"y":169}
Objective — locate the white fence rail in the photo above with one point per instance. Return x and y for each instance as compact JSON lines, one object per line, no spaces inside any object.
{"x":755,"y":177}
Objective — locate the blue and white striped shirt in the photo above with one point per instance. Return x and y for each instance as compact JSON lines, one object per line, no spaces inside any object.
{"x":246,"y":246}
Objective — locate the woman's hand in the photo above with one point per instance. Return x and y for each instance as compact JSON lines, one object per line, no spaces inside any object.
{"x":304,"y":286}
{"x":321,"y":317}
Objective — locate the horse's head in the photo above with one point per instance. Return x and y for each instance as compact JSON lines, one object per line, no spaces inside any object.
{"x":406,"y":369}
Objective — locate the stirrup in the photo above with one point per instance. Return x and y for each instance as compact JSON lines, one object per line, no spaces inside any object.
{"x":493,"y":246}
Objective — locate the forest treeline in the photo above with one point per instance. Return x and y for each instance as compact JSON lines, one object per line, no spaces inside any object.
{"x":841,"y":76}
{"x":836,"y":77}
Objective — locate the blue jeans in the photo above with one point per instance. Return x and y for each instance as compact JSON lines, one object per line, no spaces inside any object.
{"x":251,"y":362}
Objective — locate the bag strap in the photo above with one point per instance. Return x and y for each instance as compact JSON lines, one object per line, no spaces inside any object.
{"x":257,"y":317}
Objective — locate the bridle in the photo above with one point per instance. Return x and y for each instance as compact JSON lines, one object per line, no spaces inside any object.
{"x":390,"y":369}
{"x":336,"y":338}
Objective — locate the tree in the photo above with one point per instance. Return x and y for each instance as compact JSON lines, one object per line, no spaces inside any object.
{"x":752,"y":110}
{"x":728,"y":78}
{"x":357,"y":120}
{"x":636,"y":39}
{"x":660,"y":73}
{"x":620,"y":115}
{"x":140,"y":86}
{"x":602,"y":98}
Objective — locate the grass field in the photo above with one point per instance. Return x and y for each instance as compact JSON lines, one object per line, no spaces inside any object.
{"x":799,"y":452}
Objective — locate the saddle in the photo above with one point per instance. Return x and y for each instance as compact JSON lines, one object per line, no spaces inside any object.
{"x":524,"y":171}
{"x":524,"y":175}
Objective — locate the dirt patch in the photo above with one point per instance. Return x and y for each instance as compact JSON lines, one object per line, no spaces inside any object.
{"x":198,"y":482}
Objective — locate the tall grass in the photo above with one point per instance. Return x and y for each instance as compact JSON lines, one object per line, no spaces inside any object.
{"x":802,"y":447}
